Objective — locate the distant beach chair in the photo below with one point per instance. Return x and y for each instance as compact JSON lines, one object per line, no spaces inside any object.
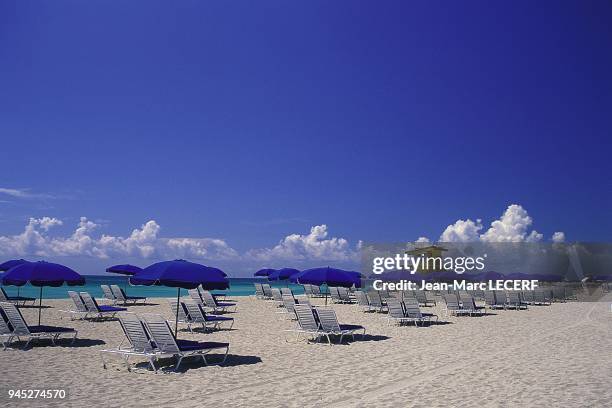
{"x":501,"y":298}
{"x":6,"y":334}
{"x":513,"y":300}
{"x":108,"y":293}
{"x":330,"y":326}
{"x":210,"y":302}
{"x":288,"y":303}
{"x":286,"y":291}
{"x":451,"y":301}
{"x":196,"y":296}
{"x":362,"y":301}
{"x":308,"y":290}
{"x":267,"y":290}
{"x":80,"y":310}
{"x":540,"y":298}
{"x":396,"y":312}
{"x":492,"y":302}
{"x":412,"y":310}
{"x":179,"y":311}
{"x":139,"y":341}
{"x":277,"y":296}
{"x":423,"y":299}
{"x":170,"y":346}
{"x":376,"y":301}
{"x":259,"y":293}
{"x":334,"y":295}
{"x":197,"y":314}
{"x":527,"y":297}
{"x":21,"y":329}
{"x":14,"y":299}
{"x":316,"y":291}
{"x":99,"y":311}
{"x":122,"y":297}
{"x":559,"y":294}
{"x":345,"y":295}
{"x":468,"y":304}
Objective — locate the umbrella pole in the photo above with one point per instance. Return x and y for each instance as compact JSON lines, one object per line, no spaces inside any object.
{"x":178,"y":304}
{"x":39,"y":305}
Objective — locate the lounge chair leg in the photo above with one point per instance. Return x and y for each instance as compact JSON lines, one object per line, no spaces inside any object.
{"x":178,"y":363}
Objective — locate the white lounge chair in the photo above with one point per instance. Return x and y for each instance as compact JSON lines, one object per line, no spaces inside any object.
{"x":122,"y":297}
{"x":14,"y":299}
{"x":139,"y":342}
{"x":99,"y":311}
{"x":108,"y":293}
{"x":330,"y":326}
{"x":168,"y":346}
{"x":80,"y":310}
{"x":197,"y":314}
{"x":21,"y":328}
{"x":210,"y":302}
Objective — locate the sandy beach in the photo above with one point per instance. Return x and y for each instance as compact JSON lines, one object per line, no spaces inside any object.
{"x":555,"y":355}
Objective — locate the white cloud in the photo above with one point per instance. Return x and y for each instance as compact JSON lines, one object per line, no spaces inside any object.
{"x":143,"y":242}
{"x":512,"y":226}
{"x":22,"y":193}
{"x":313,"y":246}
{"x":422,"y":240}
{"x":558,"y":237}
{"x":462,"y":231}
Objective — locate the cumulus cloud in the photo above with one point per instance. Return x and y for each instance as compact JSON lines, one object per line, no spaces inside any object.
{"x":558,"y":237}
{"x":423,"y":240}
{"x":143,"y":242}
{"x":313,"y":246}
{"x":513,"y":226}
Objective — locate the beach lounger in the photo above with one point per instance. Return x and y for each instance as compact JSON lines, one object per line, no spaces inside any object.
{"x":122,"y":297}
{"x":559,"y":294}
{"x":501,"y":298}
{"x":267,"y":290}
{"x":80,"y":310}
{"x":540,"y":298}
{"x":210,"y":302}
{"x":288,"y":303}
{"x":14,"y":299}
{"x":492,"y":302}
{"x":277,"y":296}
{"x":316,"y":291}
{"x":363,"y":302}
{"x":197,"y":314}
{"x":108,"y":293}
{"x":179,"y":311}
{"x":139,"y":341}
{"x":99,"y":311}
{"x":21,"y":329}
{"x":396,"y":312}
{"x":423,"y":299}
{"x":469,"y":305}
{"x":169,"y":346}
{"x":308,"y":290}
{"x":286,"y":291}
{"x":334,"y":295}
{"x":345,"y":295}
{"x":376,"y":301}
{"x":412,"y":311}
{"x":513,"y":300}
{"x":307,"y":322}
{"x":453,"y":307}
{"x":330,"y":326}
{"x":6,"y":334}
{"x":527,"y":297}
{"x":259,"y":293}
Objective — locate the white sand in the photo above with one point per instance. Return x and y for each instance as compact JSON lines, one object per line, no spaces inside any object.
{"x":547,"y":356}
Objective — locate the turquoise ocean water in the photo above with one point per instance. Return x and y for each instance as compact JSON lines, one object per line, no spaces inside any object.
{"x":238,"y":287}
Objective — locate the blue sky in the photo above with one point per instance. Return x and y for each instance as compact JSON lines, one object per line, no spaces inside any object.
{"x":248,"y":122}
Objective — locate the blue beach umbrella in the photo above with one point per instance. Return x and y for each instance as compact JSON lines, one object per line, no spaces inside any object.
{"x":10,"y":264}
{"x":41,"y":274}
{"x":329,"y":276}
{"x":125,"y":269}
{"x":282,"y":274}
{"x":264,"y":272}
{"x":181,"y":274}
